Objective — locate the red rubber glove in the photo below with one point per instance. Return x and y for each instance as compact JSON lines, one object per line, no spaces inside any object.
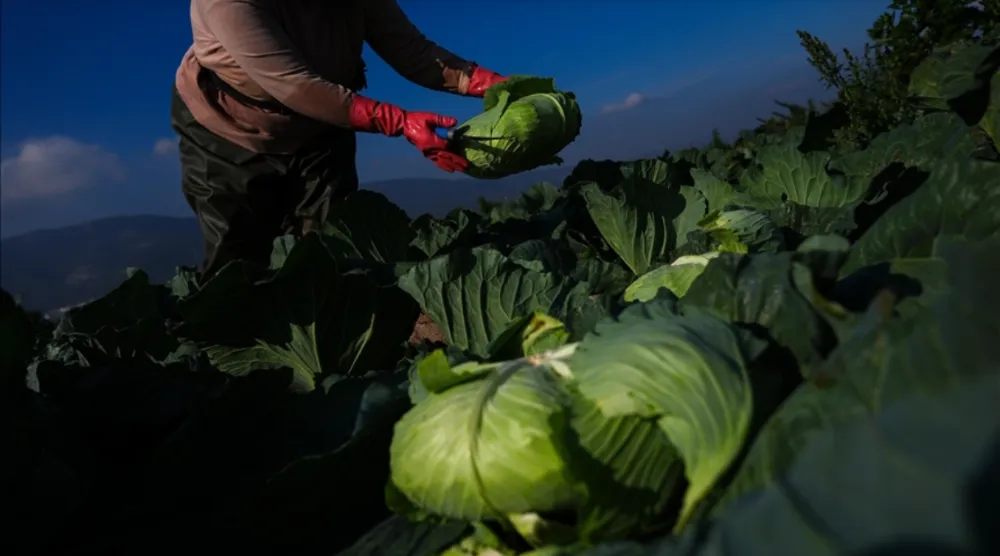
{"x":419,"y":128}
{"x":482,"y":79}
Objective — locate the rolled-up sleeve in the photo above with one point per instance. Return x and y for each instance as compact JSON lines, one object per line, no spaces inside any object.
{"x":394,"y":38}
{"x":255,"y":40}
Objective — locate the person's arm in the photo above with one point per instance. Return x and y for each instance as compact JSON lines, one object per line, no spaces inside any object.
{"x":396,"y":40}
{"x":257,"y":43}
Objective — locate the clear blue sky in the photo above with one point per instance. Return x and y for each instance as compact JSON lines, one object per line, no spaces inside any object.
{"x":97,"y":76}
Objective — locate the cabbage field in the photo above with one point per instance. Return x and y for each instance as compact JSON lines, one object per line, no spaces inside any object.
{"x":779,"y":346}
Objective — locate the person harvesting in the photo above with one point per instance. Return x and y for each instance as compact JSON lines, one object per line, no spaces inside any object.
{"x":267,"y":103}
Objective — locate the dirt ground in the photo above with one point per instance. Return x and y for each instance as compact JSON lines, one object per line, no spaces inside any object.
{"x":426,"y":329}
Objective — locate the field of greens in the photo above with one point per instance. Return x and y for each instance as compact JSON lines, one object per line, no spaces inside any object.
{"x":779,"y":346}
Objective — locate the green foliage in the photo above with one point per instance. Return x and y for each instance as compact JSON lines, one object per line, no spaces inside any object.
{"x":873,"y":85}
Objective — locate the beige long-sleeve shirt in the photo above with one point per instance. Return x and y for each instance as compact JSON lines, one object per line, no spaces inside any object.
{"x":304,"y":54}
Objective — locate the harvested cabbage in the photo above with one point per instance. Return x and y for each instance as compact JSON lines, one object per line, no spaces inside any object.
{"x":526,"y":122}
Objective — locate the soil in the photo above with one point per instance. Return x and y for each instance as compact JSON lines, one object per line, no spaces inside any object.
{"x":426,"y":329}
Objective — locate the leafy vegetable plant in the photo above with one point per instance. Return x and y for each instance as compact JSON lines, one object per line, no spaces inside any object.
{"x":778,"y":346}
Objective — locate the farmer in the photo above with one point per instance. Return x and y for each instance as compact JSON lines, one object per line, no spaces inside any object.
{"x":266,"y":104}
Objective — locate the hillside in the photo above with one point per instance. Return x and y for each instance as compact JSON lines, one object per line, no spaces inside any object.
{"x":51,"y":269}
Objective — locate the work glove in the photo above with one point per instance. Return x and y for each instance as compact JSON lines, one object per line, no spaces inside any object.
{"x":482,"y":79}
{"x":419,"y":128}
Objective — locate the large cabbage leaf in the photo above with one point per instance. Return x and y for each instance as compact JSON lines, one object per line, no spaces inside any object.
{"x":525,"y":122}
{"x":886,"y":359}
{"x":676,"y":277}
{"x":685,"y":373}
{"x":646,"y":217}
{"x":475,"y":295}
{"x":924,"y":465}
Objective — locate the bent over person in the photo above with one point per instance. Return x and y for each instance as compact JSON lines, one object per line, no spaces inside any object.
{"x":266,"y":104}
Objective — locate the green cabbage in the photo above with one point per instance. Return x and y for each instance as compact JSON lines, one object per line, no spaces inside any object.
{"x":602,"y":432}
{"x":526,"y":122}
{"x":743,"y":230}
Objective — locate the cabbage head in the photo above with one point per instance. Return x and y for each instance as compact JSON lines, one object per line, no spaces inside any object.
{"x":620,"y":430}
{"x":526,"y":122}
{"x":743,"y":230}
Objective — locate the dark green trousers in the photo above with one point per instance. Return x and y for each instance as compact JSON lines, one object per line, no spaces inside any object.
{"x":243,"y":199}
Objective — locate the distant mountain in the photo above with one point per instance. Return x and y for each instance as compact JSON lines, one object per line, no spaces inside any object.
{"x":53,"y":269}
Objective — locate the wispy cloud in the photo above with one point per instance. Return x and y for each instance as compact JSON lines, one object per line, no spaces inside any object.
{"x":56,"y":166}
{"x":631,"y":101}
{"x":165,"y":146}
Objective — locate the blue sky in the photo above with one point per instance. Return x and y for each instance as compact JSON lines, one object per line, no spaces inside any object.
{"x":86,"y":85}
